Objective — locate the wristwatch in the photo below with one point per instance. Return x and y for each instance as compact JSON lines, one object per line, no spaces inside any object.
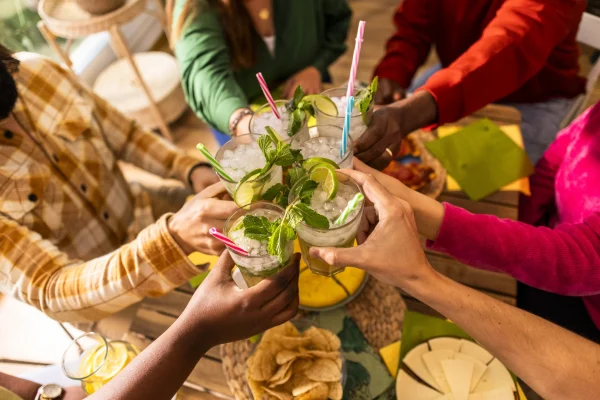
{"x":49,"y":391}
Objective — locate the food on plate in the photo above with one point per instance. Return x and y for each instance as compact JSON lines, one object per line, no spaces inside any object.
{"x":292,"y":365}
{"x":408,"y":166}
{"x":447,"y":368}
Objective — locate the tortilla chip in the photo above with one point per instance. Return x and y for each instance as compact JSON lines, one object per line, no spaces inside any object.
{"x":282,"y":375}
{"x":323,"y":370}
{"x":333,"y":339}
{"x":301,"y":364}
{"x":303,"y":385}
{"x":331,"y":355}
{"x":262,"y":365}
{"x":255,"y":387}
{"x":336,"y":391}
{"x":319,"y":392}
{"x":292,"y":343}
{"x":285,"y":356}
{"x":281,"y":395}
{"x":287,"y":329}
{"x":318,"y":339}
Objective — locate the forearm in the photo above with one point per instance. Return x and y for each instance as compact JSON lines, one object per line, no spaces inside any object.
{"x":160,"y":370}
{"x":23,"y":388}
{"x":539,"y":352}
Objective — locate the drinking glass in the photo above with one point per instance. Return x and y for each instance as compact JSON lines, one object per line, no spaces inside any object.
{"x":309,"y":143}
{"x":358,"y":124}
{"x":264,"y":117}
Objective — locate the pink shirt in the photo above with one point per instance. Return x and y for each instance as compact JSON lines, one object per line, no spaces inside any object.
{"x":561,"y":253}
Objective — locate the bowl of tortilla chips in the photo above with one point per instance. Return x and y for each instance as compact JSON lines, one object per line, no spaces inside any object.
{"x":297,"y":361}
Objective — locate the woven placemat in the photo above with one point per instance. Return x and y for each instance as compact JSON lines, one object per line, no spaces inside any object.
{"x":378,"y":312}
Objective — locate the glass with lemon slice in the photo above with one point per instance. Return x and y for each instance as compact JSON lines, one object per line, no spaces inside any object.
{"x":329,"y":199}
{"x":330,"y":107}
{"x":321,"y":143}
{"x":264,"y":117}
{"x":94,"y":360}
{"x":242,"y":159}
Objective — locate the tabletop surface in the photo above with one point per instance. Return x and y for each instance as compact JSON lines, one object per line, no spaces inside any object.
{"x":144,"y":322}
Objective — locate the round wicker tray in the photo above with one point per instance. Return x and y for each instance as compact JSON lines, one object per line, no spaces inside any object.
{"x":378,"y":312}
{"x":66,"y":19}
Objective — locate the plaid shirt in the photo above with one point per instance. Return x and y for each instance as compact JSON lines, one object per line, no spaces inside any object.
{"x":76,"y":240}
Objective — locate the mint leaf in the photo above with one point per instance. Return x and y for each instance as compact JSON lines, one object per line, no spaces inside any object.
{"x":296,"y":120}
{"x":272,"y":135}
{"x":265,"y":142}
{"x":294,"y":175}
{"x":279,"y":241}
{"x":298,"y":95}
{"x":286,"y":156}
{"x":309,"y":216}
{"x":273,"y":191}
{"x":308,"y":107}
{"x":306,"y":191}
{"x":257,"y":228}
{"x":365,"y":98}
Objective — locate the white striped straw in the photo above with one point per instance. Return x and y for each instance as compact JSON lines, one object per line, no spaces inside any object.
{"x":354,"y":67}
{"x":350,"y":208}
{"x":267,"y":93}
{"x":227,"y":242}
{"x":215,"y":164}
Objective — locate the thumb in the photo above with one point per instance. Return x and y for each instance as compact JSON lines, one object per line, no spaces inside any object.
{"x":338,"y":256}
{"x":222,"y":269}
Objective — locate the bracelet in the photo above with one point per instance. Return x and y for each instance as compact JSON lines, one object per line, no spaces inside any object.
{"x":236,"y":121}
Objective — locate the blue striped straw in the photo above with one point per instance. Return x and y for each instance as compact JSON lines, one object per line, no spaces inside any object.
{"x":344,"y":143}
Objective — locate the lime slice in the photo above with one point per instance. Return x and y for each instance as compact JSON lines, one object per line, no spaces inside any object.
{"x":245,"y":191}
{"x":323,"y":103}
{"x":325,"y":176}
{"x":311,"y":162}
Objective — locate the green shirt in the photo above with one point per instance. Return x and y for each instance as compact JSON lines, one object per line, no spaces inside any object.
{"x":307,"y":33}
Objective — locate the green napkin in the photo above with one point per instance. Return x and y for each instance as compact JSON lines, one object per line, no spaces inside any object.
{"x":481,"y":158}
{"x":198,"y":279}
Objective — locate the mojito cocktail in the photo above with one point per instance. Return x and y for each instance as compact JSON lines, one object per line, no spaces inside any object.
{"x":244,"y":229}
{"x":327,"y":115}
{"x":240,"y":157}
{"x":322,"y":142}
{"x":264,"y":117}
{"x":330,"y":199}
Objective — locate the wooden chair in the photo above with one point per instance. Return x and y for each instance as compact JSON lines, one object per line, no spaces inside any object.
{"x":589,"y":34}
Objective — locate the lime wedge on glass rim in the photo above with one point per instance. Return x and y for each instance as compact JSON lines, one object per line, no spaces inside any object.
{"x":323,"y":103}
{"x":325,"y":175}
{"x":245,"y":191}
{"x":311,"y":162}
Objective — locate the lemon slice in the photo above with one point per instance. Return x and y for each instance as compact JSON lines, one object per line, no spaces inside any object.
{"x":311,"y":162}
{"x":323,"y":103}
{"x":324,"y":174}
{"x":245,"y":192}
{"x":116,"y":360}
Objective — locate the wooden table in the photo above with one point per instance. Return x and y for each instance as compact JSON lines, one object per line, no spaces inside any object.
{"x":146,"y":321}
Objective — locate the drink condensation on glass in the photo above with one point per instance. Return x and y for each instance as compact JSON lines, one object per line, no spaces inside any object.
{"x":264,"y":117}
{"x":357,"y":123}
{"x":240,"y":156}
{"x":94,"y":360}
{"x":259,"y":264}
{"x":324,"y":141}
{"x":336,"y":235}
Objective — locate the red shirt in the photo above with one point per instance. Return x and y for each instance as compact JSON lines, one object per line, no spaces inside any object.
{"x":491,"y":50}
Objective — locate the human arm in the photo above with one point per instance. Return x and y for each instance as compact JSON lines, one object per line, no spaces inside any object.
{"x":219,"y":312}
{"x":563,"y":260}
{"x":407,"y":49}
{"x":36,"y":272}
{"x":512,"y":48}
{"x":206,"y":73}
{"x":27,"y":390}
{"x":539,"y":352}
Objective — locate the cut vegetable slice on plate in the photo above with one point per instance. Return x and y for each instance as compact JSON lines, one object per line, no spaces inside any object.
{"x":445,"y":343}
{"x":458,"y":374}
{"x":433,"y":361}
{"x":503,"y":393}
{"x":495,"y":376}
{"x":478,"y":368}
{"x":476,"y":351}
{"x":414,"y":361}
{"x":409,"y":389}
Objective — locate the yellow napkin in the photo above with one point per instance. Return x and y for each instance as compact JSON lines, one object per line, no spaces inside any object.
{"x":391,"y":357}
{"x":513,"y":132}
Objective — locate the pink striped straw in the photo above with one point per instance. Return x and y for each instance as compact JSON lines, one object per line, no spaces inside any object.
{"x":227,"y":242}
{"x":354,"y":67}
{"x":267,"y":93}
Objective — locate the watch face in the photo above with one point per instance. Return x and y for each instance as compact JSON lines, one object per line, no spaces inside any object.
{"x":51,"y":391}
